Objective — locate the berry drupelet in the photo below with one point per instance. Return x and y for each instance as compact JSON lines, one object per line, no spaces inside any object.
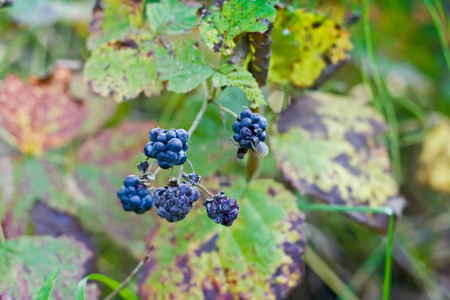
{"x":168,"y":147}
{"x":174,"y":202}
{"x":222,"y":210}
{"x":134,"y":195}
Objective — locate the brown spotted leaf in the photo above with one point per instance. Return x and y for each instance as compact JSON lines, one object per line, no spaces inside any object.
{"x":327,"y":148}
{"x":123,"y":69}
{"x":306,"y":45}
{"x":26,"y":262}
{"x":40,"y":114}
{"x":113,"y":20}
{"x":259,"y":257}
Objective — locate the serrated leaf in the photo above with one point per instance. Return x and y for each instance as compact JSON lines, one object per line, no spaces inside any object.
{"x":182,"y":65}
{"x":260,"y":257}
{"x":230,"y":75}
{"x":327,"y":148}
{"x":26,"y":261}
{"x":221,"y":23}
{"x":46,"y":290}
{"x":40,"y":114}
{"x":171,"y":17}
{"x":114,"y":20}
{"x":123,"y":69}
{"x":305,"y":43}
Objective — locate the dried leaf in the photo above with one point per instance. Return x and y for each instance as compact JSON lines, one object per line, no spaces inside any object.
{"x":261,"y":47}
{"x":260,"y":257}
{"x":40,"y":114}
{"x":26,"y":262}
{"x":434,"y":169}
{"x":123,"y":69}
{"x":327,"y":148}
{"x":306,"y":43}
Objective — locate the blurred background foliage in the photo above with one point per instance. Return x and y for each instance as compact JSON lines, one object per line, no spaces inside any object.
{"x":405,"y":74}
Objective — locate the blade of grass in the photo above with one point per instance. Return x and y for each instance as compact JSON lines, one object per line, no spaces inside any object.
{"x":383,"y":95}
{"x":125,"y":293}
{"x":390,"y":235}
{"x":326,"y":274}
{"x":440,"y":26}
{"x":45,"y":291}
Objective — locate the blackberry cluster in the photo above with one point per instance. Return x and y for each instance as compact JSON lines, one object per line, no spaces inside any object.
{"x":174,"y":202}
{"x":222,"y":210}
{"x":194,"y":179}
{"x":167,"y":146}
{"x":249,"y":128}
{"x":134,"y":196}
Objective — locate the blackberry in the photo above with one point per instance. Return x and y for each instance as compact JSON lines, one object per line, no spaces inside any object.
{"x":134,"y":196}
{"x":173,"y":203}
{"x":168,"y":147}
{"x":222,"y":210}
{"x":249,"y":132}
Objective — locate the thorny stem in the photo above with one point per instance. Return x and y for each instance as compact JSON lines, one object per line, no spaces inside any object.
{"x":131,"y":275}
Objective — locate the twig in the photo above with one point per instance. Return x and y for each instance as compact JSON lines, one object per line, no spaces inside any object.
{"x":180,"y":173}
{"x":222,"y":115}
{"x":131,"y":275}
{"x":199,"y":117}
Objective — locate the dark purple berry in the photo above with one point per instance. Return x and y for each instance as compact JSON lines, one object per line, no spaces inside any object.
{"x":171,"y":134}
{"x":255,"y":117}
{"x":183,"y":135}
{"x":131,"y":180}
{"x":246,"y":122}
{"x":175,"y":145}
{"x":162,"y":137}
{"x":171,"y":156}
{"x":245,"y":113}
{"x":181,"y":158}
{"x":153,"y":135}
{"x":148,"y":150}
{"x":222,"y":210}
{"x":164,"y":164}
{"x":158,"y":147}
{"x":245,"y":133}
{"x":237,"y":127}
{"x":237,"y":137}
{"x":262,"y":138}
{"x":174,"y":202}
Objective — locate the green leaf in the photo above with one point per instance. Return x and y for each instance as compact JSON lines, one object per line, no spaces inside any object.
{"x":327,"y":148}
{"x":123,"y":69}
{"x":25,"y":261}
{"x":171,"y":17}
{"x":125,"y":293}
{"x":46,"y":290}
{"x":183,"y":66}
{"x":114,"y":20}
{"x":220,"y":24}
{"x":304,"y":45}
{"x":259,"y":257}
{"x":230,"y":75}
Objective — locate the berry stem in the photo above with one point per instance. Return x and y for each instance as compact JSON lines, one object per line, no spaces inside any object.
{"x":199,"y":117}
{"x":180,"y":173}
{"x":191,"y":165}
{"x":201,"y":187}
{"x":131,"y":275}
{"x":222,"y":115}
{"x":225,"y":109}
